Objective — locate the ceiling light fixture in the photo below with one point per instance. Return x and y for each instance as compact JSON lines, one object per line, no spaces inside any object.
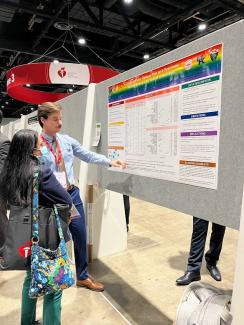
{"x":2,"y":106}
{"x":55,"y":61}
{"x":82,"y":41}
{"x":146,"y":56}
{"x":28,"y":85}
{"x":61,"y":25}
{"x":128,"y":2}
{"x":202,"y":26}
{"x":71,"y":90}
{"x":6,"y":103}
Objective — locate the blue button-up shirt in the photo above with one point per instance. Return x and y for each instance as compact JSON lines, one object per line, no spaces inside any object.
{"x":70,"y":148}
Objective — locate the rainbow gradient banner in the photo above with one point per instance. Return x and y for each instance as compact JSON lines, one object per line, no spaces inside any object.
{"x":196,"y":66}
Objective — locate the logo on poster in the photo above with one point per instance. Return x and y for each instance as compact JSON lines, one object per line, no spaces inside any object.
{"x":62,"y":72}
{"x":200,"y":59}
{"x":214,"y":54}
{"x":188,"y":64}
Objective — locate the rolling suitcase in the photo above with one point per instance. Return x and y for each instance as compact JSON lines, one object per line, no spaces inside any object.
{"x":203,"y":304}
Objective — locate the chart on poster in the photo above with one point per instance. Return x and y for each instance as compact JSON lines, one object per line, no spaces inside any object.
{"x":165,"y":123}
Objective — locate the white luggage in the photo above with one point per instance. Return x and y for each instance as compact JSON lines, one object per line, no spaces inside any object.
{"x":203,"y":304}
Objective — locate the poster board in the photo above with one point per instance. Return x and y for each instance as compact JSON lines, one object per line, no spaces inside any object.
{"x":222,"y":203}
{"x":165,"y":123}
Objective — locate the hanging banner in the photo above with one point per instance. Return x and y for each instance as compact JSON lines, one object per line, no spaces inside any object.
{"x":51,"y":73}
{"x":165,"y":123}
{"x":69,"y":73}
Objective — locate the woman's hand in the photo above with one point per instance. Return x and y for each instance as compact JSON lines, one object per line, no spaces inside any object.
{"x":118,"y":163}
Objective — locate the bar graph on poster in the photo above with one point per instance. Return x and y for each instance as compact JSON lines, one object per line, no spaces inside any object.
{"x":165,"y":123}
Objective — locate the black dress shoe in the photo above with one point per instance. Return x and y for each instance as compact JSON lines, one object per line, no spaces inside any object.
{"x":188,"y":277}
{"x":214,"y":272}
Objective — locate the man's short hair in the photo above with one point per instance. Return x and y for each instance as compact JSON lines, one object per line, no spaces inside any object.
{"x":46,"y":109}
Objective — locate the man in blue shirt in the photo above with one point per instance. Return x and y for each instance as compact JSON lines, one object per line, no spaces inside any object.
{"x":58,"y":152}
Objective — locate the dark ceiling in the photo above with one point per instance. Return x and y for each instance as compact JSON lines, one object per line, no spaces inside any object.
{"x":117,"y":34}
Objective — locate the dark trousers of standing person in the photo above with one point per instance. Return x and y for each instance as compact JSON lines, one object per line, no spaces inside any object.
{"x":78,"y":231}
{"x":127,"y":208}
{"x":198,"y":240}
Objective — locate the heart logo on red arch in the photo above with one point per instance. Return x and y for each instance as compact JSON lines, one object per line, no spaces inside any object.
{"x":62,"y":72}
{"x":25,"y":250}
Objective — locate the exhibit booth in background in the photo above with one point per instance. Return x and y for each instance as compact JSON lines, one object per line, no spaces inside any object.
{"x":7,"y":129}
{"x":178,"y":122}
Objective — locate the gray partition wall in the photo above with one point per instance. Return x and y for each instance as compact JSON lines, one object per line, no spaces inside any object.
{"x":224,"y":204}
{"x":73,"y":112}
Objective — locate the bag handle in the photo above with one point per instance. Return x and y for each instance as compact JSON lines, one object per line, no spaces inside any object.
{"x":58,"y":223}
{"x":35,"y":206}
{"x":35,"y":210}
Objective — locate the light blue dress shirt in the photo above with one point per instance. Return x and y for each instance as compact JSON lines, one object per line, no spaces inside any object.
{"x":70,"y":148}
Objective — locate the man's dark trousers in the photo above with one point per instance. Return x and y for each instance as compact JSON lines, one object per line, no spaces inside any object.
{"x":77,"y":228}
{"x":198,"y":240}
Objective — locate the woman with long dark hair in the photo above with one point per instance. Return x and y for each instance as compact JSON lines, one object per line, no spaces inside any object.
{"x":15,"y":183}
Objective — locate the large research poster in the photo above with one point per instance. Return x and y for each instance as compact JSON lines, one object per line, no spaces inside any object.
{"x":165,"y":123}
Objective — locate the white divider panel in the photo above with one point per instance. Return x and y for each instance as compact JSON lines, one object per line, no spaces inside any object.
{"x":109,"y":226}
{"x":7,"y":130}
{"x":31,"y":122}
{"x":18,"y":125}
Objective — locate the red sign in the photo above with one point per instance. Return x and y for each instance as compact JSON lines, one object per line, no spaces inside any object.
{"x":51,"y":73}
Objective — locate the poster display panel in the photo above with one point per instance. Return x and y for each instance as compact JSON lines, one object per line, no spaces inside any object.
{"x":165,"y":123}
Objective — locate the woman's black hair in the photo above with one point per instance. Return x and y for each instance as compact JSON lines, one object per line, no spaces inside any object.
{"x":17,"y":173}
